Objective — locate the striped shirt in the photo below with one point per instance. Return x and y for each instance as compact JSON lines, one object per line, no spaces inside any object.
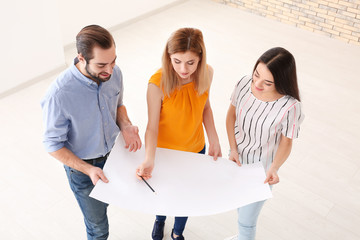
{"x":259,"y":125}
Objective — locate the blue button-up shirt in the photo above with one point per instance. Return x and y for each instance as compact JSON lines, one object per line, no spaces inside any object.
{"x":80,"y":115}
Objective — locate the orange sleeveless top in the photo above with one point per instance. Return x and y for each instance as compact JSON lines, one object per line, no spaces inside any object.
{"x":181,"y":118}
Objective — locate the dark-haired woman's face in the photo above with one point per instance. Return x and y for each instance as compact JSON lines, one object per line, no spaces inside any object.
{"x":263,"y":80}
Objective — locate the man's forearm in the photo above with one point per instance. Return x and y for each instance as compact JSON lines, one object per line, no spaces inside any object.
{"x":122,"y":119}
{"x":68,"y":158}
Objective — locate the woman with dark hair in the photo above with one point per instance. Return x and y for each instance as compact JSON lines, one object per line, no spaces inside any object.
{"x":263,"y":118}
{"x":178,"y":106}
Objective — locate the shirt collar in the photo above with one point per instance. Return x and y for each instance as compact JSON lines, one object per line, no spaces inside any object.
{"x":81,"y":77}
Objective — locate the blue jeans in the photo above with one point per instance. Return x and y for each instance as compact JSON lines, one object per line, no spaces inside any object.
{"x":180,"y":222}
{"x":94,"y":211}
{"x":247,"y":218}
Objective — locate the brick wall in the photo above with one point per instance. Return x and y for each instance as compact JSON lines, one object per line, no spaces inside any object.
{"x":338,"y":19}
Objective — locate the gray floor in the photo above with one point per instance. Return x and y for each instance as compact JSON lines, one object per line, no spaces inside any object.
{"x":318,"y":196}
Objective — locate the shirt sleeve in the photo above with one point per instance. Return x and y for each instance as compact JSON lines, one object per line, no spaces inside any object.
{"x":156,"y":78}
{"x":121,"y":91}
{"x":55,"y":123}
{"x":237,"y":89}
{"x":233,"y":97}
{"x":291,"y":123}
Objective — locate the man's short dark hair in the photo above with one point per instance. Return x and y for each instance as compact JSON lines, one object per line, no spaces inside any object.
{"x":91,"y":36}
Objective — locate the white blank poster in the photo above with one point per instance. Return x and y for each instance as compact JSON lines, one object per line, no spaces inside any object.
{"x":186,"y":184}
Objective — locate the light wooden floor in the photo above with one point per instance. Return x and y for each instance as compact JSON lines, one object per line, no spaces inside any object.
{"x":318,"y":197}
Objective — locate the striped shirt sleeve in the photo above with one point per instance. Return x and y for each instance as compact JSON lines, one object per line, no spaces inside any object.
{"x":292,"y":120}
{"x":238,"y":88}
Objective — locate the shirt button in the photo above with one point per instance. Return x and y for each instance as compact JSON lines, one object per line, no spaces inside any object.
{"x":102,"y":108}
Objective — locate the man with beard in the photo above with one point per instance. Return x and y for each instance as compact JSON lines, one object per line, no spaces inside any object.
{"x":83,"y":113}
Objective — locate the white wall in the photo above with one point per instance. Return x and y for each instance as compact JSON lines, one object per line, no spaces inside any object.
{"x":74,"y":15}
{"x":30,"y":41}
{"x":34,"y":33}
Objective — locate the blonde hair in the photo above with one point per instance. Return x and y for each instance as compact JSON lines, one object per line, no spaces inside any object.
{"x":185,"y":39}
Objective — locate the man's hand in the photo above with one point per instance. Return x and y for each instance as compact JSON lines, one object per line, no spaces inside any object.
{"x":95,"y":174}
{"x":131,"y":137}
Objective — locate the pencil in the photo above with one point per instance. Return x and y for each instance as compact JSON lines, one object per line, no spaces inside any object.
{"x":148,"y":184}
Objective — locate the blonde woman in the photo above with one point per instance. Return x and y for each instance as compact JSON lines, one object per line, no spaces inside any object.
{"x":178,"y":106}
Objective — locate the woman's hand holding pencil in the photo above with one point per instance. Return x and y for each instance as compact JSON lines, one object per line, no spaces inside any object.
{"x":144,"y":170}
